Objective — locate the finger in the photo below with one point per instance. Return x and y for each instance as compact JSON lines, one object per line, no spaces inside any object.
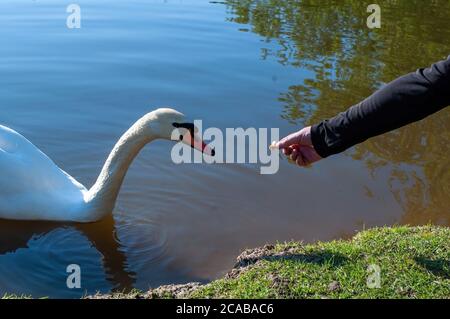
{"x":294,"y":155}
{"x":287,"y":151}
{"x":292,"y":148}
{"x":300,"y":160}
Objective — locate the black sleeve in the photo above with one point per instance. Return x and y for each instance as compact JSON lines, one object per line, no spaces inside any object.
{"x":407,"y":99}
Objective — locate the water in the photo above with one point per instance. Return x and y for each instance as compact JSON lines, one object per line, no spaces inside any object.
{"x":234,"y":64}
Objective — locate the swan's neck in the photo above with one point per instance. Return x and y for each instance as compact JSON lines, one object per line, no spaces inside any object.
{"x":101,"y":198}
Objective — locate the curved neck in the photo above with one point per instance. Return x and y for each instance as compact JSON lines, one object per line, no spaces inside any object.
{"x":101,"y":198}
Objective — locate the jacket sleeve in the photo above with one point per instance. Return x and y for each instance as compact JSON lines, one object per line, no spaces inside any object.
{"x":407,"y":99}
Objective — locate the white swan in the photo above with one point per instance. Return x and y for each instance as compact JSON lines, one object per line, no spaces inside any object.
{"x":33,"y":187}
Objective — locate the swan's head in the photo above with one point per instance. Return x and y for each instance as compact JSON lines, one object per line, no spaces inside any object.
{"x":169,"y":124}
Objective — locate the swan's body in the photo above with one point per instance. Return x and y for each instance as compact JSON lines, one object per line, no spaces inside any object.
{"x":33,"y":187}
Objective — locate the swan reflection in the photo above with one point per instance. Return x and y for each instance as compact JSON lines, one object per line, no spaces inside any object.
{"x":15,"y":235}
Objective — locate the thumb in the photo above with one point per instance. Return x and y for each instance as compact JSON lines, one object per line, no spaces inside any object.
{"x":302,"y":137}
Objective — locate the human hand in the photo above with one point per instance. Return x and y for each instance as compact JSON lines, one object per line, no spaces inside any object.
{"x":299,"y":148}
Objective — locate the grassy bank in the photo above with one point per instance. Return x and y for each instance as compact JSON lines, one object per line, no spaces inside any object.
{"x":413,"y":263}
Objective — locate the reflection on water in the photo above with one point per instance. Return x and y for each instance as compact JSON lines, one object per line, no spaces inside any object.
{"x":349,"y":62}
{"x":65,"y":241}
{"x":268,"y":63}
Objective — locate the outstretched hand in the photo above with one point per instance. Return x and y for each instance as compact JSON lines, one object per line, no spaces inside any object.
{"x":299,"y":148}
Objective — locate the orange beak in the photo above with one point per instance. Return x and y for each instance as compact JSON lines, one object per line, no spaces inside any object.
{"x":194,"y":141}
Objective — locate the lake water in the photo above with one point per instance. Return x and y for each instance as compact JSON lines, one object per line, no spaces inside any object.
{"x":280,"y":64}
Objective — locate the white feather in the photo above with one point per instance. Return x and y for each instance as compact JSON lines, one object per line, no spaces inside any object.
{"x":33,"y":187}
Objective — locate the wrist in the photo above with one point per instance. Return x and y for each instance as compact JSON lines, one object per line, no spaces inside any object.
{"x":317,"y":140}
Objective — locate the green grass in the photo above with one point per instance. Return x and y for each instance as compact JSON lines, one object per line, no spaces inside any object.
{"x":414,"y":263}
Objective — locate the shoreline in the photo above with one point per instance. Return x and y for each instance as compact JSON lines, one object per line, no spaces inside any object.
{"x":386,"y":262}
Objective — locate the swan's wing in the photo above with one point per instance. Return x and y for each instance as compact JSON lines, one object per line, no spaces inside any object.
{"x":18,"y":156}
{"x":9,"y":140}
{"x":31,"y":181}
{"x":26,"y":163}
{"x":13,"y":149}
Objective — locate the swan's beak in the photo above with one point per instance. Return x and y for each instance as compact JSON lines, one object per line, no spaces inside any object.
{"x":197,"y":143}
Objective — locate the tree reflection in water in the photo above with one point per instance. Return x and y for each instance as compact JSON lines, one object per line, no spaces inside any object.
{"x":350,"y":61}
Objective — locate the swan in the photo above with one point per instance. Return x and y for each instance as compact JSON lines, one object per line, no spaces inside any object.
{"x":33,"y":187}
